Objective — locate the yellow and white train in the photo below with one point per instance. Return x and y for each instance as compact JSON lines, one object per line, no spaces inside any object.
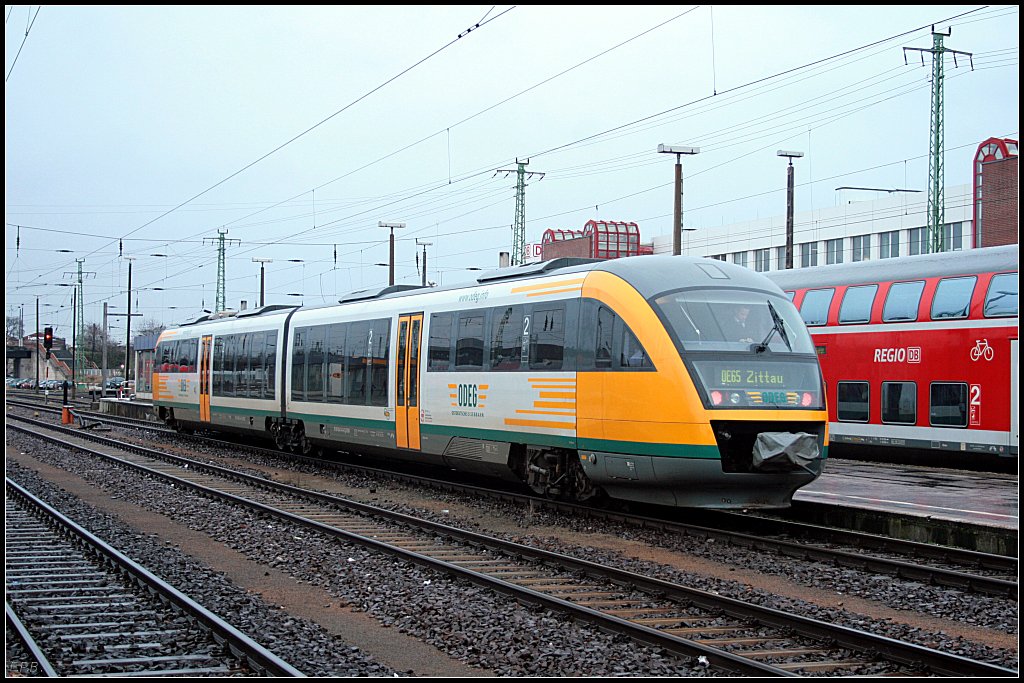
{"x":580,"y":378}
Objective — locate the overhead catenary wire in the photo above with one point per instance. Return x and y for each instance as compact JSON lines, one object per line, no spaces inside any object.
{"x":340,"y":223}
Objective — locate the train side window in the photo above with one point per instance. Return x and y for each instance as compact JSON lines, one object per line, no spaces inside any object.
{"x":299,"y":364}
{"x":315,"y":363}
{"x":902,"y":301}
{"x":242,"y":366}
{"x":953,"y":297}
{"x":790,"y":296}
{"x":856,"y":306}
{"x":814,"y":309}
{"x":218,"y":365}
{"x":357,"y":357}
{"x":162,"y":356}
{"x":631,"y":352}
{"x":899,"y":403}
{"x":852,"y":401}
{"x":506,"y":338}
{"x":336,"y":363}
{"x":380,"y":343}
{"x":547,"y":338}
{"x":605,"y":330}
{"x":269,"y":391}
{"x":258,"y":366}
{"x":469,"y":344}
{"x":230,"y":356}
{"x":1001,"y":298}
{"x":948,"y":406}
{"x":439,"y":349}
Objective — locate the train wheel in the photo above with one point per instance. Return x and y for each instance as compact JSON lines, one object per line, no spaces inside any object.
{"x":558,"y":474}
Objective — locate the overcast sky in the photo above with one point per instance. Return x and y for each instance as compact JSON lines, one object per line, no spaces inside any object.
{"x":134,"y":131}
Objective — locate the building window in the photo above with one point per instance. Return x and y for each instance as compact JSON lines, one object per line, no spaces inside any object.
{"x":918,"y":241}
{"x":808,"y":254}
{"x":834,"y":251}
{"x":862,"y":248}
{"x":740,"y":258}
{"x":889,"y":244}
{"x":952,"y":237}
{"x":762,"y":260}
{"x":852,"y":401}
{"x":780,"y":258}
{"x":719,"y":257}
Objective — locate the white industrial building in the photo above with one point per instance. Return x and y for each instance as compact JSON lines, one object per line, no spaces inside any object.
{"x":855,"y":230}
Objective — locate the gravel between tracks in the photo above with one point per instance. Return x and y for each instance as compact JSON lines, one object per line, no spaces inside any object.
{"x":394,"y":593}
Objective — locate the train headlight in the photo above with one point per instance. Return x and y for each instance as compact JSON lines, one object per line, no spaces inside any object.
{"x":735,"y":398}
{"x":716,"y":397}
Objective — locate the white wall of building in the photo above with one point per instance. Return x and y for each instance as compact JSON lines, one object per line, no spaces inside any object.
{"x":855,"y":230}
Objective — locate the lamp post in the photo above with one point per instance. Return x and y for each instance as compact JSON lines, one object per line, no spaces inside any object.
{"x":391,"y":261}
{"x":262,"y":262}
{"x":789,"y":204}
{"x":128,"y":323}
{"x":677,"y":218}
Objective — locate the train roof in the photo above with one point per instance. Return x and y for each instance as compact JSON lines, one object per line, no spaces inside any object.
{"x":650,"y":275}
{"x":970,"y":261}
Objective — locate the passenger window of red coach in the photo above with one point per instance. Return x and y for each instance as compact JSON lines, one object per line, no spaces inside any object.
{"x":948,"y":404}
{"x":899,"y":403}
{"x":1001,"y":299}
{"x":814,"y":309}
{"x":902,"y":301}
{"x":953,"y":297}
{"x":852,"y":401}
{"x":856,"y":306}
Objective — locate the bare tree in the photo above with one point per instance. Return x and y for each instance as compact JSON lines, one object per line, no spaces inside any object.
{"x":14,"y":328}
{"x":151,"y":326}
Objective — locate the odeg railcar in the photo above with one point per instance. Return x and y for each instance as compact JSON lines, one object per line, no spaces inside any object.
{"x":919,"y":352}
{"x":579,"y":378}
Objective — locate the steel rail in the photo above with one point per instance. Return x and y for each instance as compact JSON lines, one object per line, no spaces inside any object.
{"x":896,"y":651}
{"x":244,"y":648}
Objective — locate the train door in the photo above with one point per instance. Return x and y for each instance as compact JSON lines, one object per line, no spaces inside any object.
{"x":205,"y":346}
{"x":407,"y":381}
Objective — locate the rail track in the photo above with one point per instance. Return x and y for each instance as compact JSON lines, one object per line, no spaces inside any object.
{"x":957,"y":568}
{"x":81,"y":608}
{"x":734,"y":636}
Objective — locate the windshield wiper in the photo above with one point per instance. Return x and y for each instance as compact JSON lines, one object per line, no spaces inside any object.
{"x":777,"y":326}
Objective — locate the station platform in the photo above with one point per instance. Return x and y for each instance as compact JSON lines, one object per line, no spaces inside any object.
{"x":976,"y":510}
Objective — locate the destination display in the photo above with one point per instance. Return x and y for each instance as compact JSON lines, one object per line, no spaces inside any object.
{"x":740,"y":382}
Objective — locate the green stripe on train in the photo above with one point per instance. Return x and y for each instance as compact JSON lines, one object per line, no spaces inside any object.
{"x":582,"y":444}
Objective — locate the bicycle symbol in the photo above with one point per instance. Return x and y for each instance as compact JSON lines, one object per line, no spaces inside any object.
{"x":981,"y":348}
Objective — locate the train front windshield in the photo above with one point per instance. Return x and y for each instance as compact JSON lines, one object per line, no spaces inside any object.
{"x":745,"y":349}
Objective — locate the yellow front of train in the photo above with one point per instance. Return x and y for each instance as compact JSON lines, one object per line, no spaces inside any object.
{"x":718,"y":413}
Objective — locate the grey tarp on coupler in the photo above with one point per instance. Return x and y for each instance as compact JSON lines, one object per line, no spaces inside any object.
{"x":775,"y":449}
